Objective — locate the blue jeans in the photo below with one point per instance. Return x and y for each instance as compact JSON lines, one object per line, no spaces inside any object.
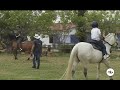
{"x":100,"y":44}
{"x":36,"y":60}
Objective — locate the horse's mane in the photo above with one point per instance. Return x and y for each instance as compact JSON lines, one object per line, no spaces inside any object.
{"x":109,"y":35}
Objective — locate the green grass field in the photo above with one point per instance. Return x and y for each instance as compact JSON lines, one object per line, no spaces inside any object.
{"x":51,"y":68}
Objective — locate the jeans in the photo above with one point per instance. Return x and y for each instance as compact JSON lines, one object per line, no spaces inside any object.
{"x":36,"y":60}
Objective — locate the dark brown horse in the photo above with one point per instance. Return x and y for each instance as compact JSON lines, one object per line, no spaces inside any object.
{"x":26,"y":47}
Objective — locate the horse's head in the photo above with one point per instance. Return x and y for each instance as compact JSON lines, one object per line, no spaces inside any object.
{"x":111,"y":38}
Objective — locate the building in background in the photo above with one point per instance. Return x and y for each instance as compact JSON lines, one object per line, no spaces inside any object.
{"x":64,"y":34}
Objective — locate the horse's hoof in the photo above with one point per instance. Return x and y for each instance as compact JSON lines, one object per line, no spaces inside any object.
{"x":111,"y":79}
{"x":97,"y":79}
{"x":16,"y":58}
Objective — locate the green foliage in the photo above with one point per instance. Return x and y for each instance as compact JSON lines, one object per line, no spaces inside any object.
{"x":27,"y":21}
{"x":81,"y":21}
{"x":66,"y":48}
{"x":39,"y":21}
{"x":108,"y":20}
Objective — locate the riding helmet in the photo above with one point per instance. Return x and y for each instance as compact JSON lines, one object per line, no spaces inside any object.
{"x":94,"y":24}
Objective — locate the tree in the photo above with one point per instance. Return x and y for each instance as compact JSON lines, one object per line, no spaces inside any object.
{"x":80,"y":21}
{"x":39,"y":21}
{"x":25,"y":21}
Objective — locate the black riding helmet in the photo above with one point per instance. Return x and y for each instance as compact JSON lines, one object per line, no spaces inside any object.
{"x":94,"y":24}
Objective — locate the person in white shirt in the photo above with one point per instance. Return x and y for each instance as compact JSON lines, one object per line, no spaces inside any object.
{"x":97,"y":38}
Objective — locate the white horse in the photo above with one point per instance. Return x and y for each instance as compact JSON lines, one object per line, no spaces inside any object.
{"x":85,"y":53}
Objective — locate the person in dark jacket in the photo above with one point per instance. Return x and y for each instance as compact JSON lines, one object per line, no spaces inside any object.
{"x":19,"y":38}
{"x":36,"y":51}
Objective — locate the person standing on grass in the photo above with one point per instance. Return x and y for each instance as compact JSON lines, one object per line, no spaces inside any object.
{"x":36,"y":51}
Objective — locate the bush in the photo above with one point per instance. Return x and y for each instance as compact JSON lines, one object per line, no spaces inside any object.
{"x":65,"y":48}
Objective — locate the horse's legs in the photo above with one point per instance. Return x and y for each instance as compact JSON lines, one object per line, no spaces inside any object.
{"x":85,"y":72}
{"x":108,"y":66}
{"x":98,"y":71}
{"x":29,"y":57}
{"x":15,"y":54}
{"x":75,"y":64}
{"x":106,"y":63}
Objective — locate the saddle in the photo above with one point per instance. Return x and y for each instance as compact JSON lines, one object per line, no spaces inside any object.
{"x":95,"y":46}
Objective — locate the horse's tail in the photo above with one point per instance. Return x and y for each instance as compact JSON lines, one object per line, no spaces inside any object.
{"x":68,"y":73}
{"x":63,"y":75}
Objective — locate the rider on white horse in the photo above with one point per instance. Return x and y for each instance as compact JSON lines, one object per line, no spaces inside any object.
{"x":96,"y":37}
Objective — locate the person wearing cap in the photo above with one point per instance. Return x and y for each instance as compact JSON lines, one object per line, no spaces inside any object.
{"x":36,"y":51}
{"x":97,"y":38}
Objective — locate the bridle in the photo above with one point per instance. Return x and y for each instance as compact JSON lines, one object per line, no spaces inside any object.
{"x":108,"y":43}
{"x":111,"y":44}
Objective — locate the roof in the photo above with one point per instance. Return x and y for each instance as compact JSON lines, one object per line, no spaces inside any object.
{"x":62,"y":27}
{"x":118,"y":31}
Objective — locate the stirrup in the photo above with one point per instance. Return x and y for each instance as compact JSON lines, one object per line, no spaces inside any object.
{"x":105,"y":57}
